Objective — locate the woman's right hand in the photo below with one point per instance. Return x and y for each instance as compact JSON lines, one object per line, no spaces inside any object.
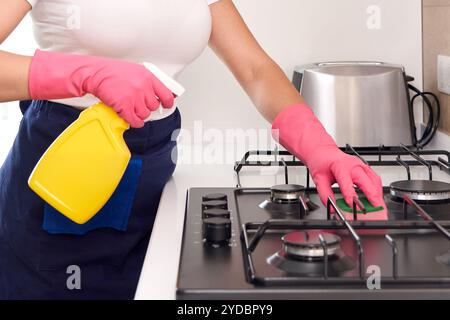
{"x":129,"y":88}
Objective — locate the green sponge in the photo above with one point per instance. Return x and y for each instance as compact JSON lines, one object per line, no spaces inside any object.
{"x":369,"y":207}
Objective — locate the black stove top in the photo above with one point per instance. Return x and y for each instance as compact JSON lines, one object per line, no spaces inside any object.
{"x":282,"y":243}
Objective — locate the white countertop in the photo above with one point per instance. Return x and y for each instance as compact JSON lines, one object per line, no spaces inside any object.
{"x":159,"y":273}
{"x":160,"y":269}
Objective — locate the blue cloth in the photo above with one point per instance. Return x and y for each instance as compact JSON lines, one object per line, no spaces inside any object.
{"x":34,"y":263}
{"x":114,"y":214}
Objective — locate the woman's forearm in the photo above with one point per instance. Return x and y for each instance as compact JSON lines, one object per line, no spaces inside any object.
{"x":262,"y":79}
{"x":14,"y":76}
{"x":271,"y":91}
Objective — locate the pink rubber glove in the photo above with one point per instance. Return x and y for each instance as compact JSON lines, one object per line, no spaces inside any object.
{"x":129,"y":88}
{"x":300,"y":132}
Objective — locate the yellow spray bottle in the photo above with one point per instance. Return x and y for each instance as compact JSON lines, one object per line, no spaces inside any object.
{"x":81,"y":169}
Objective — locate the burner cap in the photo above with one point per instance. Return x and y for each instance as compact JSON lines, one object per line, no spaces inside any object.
{"x":306,"y":244}
{"x":421,"y":190}
{"x":286,"y":193}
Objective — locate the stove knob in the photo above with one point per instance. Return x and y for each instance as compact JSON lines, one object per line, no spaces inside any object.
{"x":216,"y":213}
{"x":217,"y":230}
{"x":214,"y":204}
{"x":215,"y":196}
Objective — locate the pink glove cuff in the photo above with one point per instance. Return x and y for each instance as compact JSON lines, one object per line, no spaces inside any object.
{"x":48,"y":79}
{"x":295,"y":128}
{"x":129,"y":88}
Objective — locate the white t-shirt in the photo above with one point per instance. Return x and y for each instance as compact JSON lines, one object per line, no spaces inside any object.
{"x":167,"y":33}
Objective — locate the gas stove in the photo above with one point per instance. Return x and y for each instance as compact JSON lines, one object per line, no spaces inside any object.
{"x":281,"y":242}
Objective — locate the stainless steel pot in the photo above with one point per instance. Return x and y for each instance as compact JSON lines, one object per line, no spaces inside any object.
{"x":360,"y":103}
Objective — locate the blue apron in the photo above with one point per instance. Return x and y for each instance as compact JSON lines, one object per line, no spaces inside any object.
{"x":43,"y":255}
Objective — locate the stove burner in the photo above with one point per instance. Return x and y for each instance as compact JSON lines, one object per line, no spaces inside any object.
{"x":282,"y":208}
{"x":302,"y":254}
{"x":285,"y":200}
{"x":306,"y":245}
{"x":286,"y":193}
{"x":337,"y":266}
{"x":421,"y":190}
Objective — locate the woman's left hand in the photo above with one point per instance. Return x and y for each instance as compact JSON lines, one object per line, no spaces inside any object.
{"x":330,"y":165}
{"x":300,"y":132}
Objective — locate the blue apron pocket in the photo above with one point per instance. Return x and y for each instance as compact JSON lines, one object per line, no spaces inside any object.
{"x":115,"y":214}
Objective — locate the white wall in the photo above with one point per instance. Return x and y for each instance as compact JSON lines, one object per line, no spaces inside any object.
{"x":293,"y":32}
{"x":297,"y":32}
{"x":20,"y":41}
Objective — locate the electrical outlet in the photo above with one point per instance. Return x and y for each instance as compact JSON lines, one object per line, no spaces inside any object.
{"x":444,"y":74}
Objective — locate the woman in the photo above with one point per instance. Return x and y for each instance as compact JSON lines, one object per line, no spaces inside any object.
{"x":90,"y":50}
